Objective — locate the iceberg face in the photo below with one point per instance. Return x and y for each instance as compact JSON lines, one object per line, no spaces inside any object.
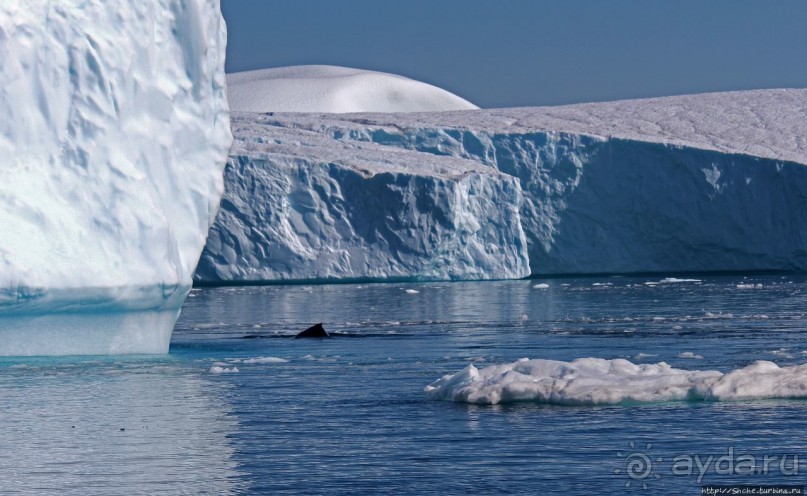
{"x":114,"y":134}
{"x":358,"y":212}
{"x":325,"y":88}
{"x":595,"y":381}
{"x":713,"y":182}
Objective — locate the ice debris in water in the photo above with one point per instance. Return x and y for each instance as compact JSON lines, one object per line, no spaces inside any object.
{"x":218,"y":369}
{"x":264,"y":360}
{"x":673,"y":280}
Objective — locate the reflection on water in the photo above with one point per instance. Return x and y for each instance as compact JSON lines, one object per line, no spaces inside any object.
{"x":113,"y":427}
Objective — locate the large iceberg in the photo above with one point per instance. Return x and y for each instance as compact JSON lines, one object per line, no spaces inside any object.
{"x":711,"y":182}
{"x":113,"y":137}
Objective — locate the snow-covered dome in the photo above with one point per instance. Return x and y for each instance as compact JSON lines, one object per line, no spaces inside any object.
{"x":325,"y":88}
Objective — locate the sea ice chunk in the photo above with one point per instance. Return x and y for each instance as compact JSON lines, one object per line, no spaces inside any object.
{"x":596,"y":381}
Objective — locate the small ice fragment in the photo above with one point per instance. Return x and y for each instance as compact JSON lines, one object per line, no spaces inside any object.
{"x":215,"y":369}
{"x":541,"y":286}
{"x":412,"y":291}
{"x":265,"y":360}
{"x":689,"y":354}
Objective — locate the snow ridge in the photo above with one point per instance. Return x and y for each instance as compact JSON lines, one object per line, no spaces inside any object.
{"x":323,"y":88}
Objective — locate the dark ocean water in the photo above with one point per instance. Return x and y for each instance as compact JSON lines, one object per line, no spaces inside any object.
{"x":348,"y":415}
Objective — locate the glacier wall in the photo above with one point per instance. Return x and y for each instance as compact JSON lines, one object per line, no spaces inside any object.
{"x":613,"y":205}
{"x":114,"y":135}
{"x":362,"y":212}
{"x":697,"y":183}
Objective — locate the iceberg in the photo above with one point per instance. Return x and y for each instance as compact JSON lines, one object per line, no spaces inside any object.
{"x":325,"y":88}
{"x":695,"y":183}
{"x":114,"y":135}
{"x":302,"y":206}
{"x":596,"y":381}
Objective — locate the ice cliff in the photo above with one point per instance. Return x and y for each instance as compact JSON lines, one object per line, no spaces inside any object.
{"x":712,"y":182}
{"x":302,"y":206}
{"x":113,"y":137}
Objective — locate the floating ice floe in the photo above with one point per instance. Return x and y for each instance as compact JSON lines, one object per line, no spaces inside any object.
{"x":264,"y":360}
{"x":219,"y":369}
{"x":689,"y":354}
{"x":596,"y":381}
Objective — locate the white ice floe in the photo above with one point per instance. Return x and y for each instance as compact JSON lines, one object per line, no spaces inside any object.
{"x":325,"y":88}
{"x":219,"y":369}
{"x":596,"y":381}
{"x":541,"y":286}
{"x":674,"y":280}
{"x":261,"y":360}
{"x":689,"y":354}
{"x":412,"y":291}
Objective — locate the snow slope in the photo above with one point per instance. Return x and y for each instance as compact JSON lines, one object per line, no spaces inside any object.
{"x":595,"y":381}
{"x":113,"y":138}
{"x":711,"y":182}
{"x":324,"y":88}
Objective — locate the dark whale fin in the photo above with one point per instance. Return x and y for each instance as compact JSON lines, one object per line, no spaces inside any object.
{"x":315,"y":331}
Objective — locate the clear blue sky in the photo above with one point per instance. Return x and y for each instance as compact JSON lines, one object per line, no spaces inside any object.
{"x":504,"y":53}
